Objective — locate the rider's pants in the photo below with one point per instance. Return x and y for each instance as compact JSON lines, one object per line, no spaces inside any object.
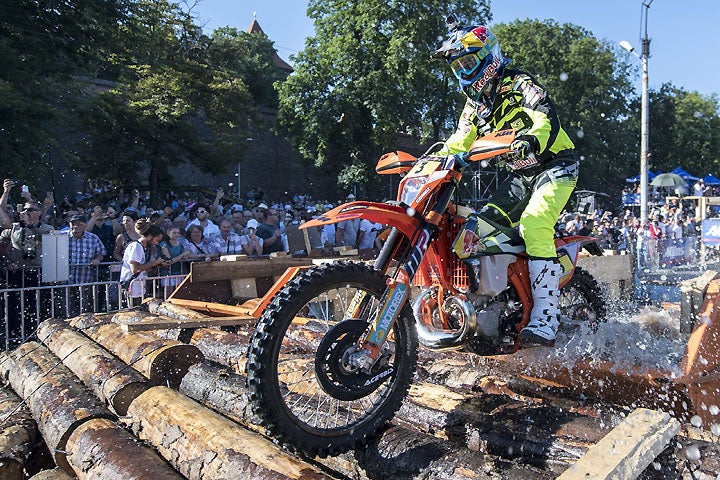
{"x":535,"y":202}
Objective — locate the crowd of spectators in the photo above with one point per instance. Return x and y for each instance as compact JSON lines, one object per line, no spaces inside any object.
{"x":129,"y":238}
{"x":191,"y":228}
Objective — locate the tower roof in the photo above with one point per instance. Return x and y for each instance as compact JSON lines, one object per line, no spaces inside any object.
{"x":279,"y":62}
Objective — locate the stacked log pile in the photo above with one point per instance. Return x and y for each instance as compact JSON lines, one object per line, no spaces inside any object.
{"x":113,"y":402}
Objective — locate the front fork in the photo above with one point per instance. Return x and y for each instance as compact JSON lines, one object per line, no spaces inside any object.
{"x":397,"y":291}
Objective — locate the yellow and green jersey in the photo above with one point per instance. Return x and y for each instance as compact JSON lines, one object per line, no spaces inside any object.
{"x":520,"y":104}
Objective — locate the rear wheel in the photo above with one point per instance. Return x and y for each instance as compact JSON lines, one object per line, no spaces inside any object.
{"x":307,"y":394}
{"x":581,"y":302}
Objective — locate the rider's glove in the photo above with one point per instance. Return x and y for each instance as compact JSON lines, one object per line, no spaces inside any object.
{"x":460,"y":160}
{"x":520,"y":149}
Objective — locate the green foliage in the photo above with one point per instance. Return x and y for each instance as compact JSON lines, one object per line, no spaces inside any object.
{"x":367,"y":75}
{"x":590,"y":88}
{"x":182,"y":97}
{"x":684,"y":129}
{"x":43,"y":43}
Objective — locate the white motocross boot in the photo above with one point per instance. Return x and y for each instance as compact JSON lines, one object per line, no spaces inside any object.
{"x":543,"y":325}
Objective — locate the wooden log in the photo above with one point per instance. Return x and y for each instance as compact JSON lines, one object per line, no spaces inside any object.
{"x":221,"y":389}
{"x":54,"y":474}
{"x":202,"y":444}
{"x":54,"y":395}
{"x":163,"y":361}
{"x":225,"y":348}
{"x":628,"y":449}
{"x":18,"y":432}
{"x":101,"y":449}
{"x":108,"y":377}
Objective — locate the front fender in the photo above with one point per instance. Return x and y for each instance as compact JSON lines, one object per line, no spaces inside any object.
{"x":385,"y":213}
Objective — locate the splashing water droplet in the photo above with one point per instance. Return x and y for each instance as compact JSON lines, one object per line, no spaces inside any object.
{"x":714,"y":409}
{"x":692,"y":452}
{"x":696,"y":421}
{"x":563,"y":77}
{"x":715,"y":429}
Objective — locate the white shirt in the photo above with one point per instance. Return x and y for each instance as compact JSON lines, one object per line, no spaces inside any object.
{"x":134,"y":252}
{"x":371,"y":230}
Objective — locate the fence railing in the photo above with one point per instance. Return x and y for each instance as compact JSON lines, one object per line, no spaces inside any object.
{"x":25,"y":302}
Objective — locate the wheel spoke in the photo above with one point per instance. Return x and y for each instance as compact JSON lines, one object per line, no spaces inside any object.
{"x":301,"y":383}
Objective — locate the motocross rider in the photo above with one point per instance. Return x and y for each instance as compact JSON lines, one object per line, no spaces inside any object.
{"x":539,"y":185}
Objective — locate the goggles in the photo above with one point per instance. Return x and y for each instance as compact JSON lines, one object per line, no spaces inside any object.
{"x":468,"y":66}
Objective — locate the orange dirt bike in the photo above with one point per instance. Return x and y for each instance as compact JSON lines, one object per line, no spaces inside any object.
{"x":333,"y":355}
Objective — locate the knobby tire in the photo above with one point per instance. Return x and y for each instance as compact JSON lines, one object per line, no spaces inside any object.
{"x":283,"y":386}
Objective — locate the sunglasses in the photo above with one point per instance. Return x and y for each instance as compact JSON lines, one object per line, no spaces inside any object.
{"x":30,"y":209}
{"x":201,"y":210}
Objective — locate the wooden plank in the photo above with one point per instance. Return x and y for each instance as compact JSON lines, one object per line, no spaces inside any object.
{"x":249,"y":268}
{"x":693,"y":292}
{"x":209,"y":307}
{"x":628,"y":449}
{"x":166,"y":323}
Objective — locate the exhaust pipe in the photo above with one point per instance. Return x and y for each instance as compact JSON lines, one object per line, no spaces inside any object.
{"x":440,"y":340}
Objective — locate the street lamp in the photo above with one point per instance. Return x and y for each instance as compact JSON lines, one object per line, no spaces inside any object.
{"x":645,"y":54}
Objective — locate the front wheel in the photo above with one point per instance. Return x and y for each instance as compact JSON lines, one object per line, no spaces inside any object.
{"x":309,"y":398}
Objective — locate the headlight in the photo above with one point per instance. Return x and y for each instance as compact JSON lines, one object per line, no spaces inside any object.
{"x":411,"y":188}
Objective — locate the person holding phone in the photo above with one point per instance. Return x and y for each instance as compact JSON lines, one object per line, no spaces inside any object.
{"x":138,"y":260}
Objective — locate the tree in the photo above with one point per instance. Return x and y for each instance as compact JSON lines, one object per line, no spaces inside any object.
{"x":591,"y":91}
{"x":684,"y":129}
{"x":181,"y":97}
{"x":44,"y":44}
{"x":367,"y":75}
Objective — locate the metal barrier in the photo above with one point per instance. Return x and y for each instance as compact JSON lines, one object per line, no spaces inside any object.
{"x":23,"y":308}
{"x":654,"y":254}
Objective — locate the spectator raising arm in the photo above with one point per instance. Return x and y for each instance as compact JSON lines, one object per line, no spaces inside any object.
{"x":5,"y":220}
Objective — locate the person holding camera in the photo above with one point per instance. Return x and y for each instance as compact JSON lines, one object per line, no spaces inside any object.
{"x":104,"y":224}
{"x":23,"y":263}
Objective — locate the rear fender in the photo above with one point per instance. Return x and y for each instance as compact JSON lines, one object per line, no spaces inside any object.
{"x":384,"y":213}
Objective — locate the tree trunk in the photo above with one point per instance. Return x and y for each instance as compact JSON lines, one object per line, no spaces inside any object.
{"x":105,"y":375}
{"x":219,"y":388}
{"x":202,"y":444}
{"x":225,"y":348}
{"x":100,"y":449}
{"x":54,"y":474}
{"x":56,"y":398}
{"x":163,"y":361}
{"x":18,"y":432}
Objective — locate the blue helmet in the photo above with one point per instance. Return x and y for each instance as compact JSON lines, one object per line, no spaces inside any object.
{"x":476,"y":60}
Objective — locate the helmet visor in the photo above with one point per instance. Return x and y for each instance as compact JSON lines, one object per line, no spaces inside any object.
{"x":466,"y":66}
{"x":469,"y":67}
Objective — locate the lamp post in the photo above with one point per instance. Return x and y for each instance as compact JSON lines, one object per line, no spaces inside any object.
{"x":644,"y":109}
{"x":249,"y":140}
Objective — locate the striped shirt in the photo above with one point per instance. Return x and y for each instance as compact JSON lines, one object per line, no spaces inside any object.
{"x":231,"y":246}
{"x":81,"y":252}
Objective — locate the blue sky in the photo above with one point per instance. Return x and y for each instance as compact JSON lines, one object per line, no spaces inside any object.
{"x":685,"y":36}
